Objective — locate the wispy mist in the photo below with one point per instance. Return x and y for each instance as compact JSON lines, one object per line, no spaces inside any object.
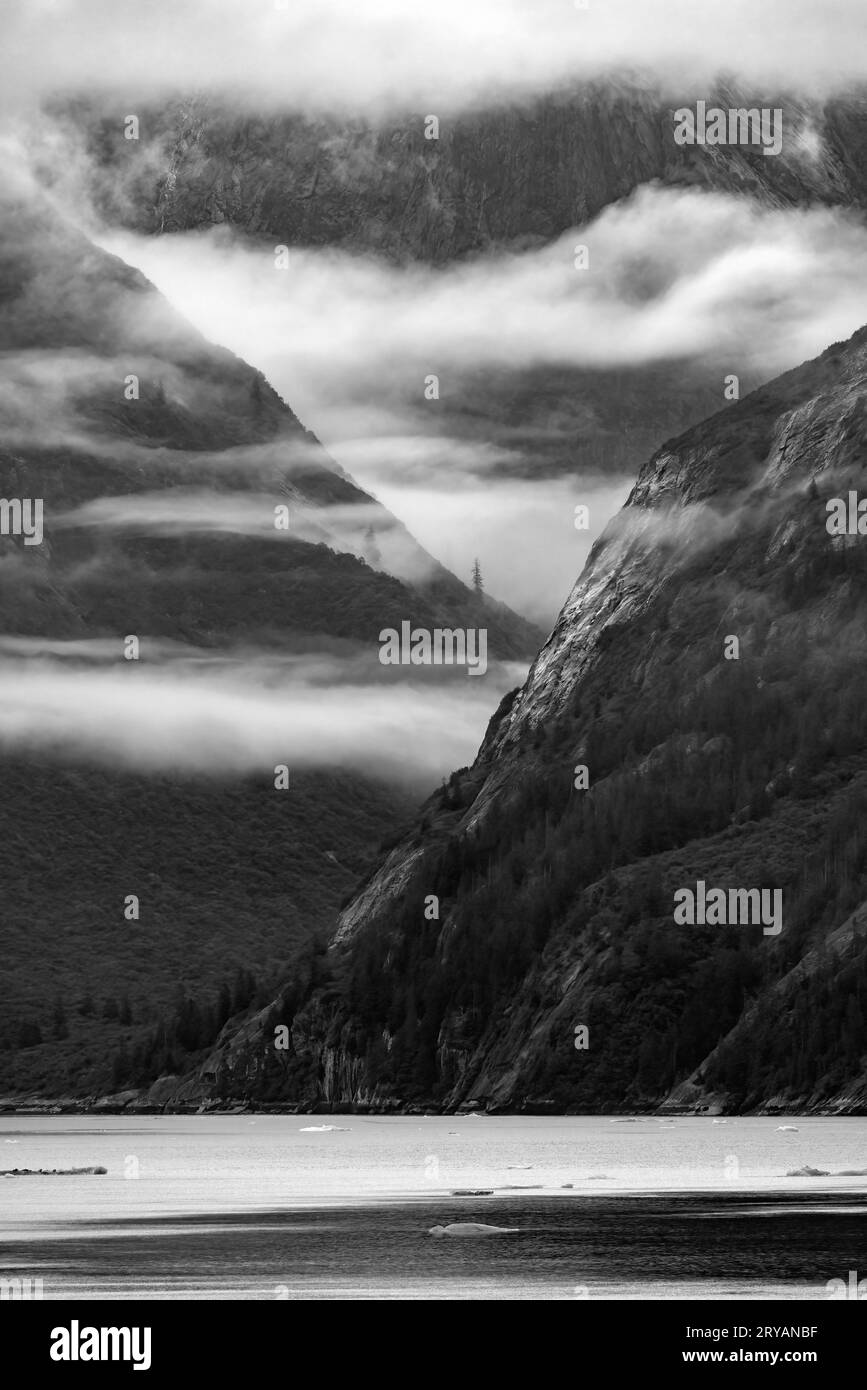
{"x":684,"y":278}
{"x":212,"y":714}
{"x":331,"y":54}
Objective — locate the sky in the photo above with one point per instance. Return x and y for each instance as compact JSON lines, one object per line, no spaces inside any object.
{"x":340,"y":54}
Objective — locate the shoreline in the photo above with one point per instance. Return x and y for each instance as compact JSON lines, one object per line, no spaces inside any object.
{"x":109,"y":1106}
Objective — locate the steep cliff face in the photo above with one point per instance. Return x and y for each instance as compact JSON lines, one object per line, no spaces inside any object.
{"x":696,"y":715}
{"x":514,"y":175}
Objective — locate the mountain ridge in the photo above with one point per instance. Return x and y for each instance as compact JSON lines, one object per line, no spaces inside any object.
{"x":159,"y":458}
{"x":199,"y":400}
{"x":765,"y":787}
{"x":502,"y":174}
{"x":501,"y":180}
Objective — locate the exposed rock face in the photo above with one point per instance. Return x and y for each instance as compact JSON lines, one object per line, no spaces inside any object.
{"x":512,"y":176}
{"x":554,"y":903}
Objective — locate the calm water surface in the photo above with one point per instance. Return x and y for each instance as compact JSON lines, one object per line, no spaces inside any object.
{"x":275,"y":1207}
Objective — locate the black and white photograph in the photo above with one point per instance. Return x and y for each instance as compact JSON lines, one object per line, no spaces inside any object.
{"x":433,"y":665}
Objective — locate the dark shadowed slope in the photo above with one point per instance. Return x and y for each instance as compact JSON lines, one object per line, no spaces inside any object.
{"x":159,"y":460}
{"x":556,"y":901}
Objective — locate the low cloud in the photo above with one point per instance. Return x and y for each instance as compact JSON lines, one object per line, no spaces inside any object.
{"x":523,"y":533}
{"x":337,"y":54}
{"x":689,"y":280}
{"x":674,"y":276}
{"x":198,"y":714}
{"x":364,"y":529}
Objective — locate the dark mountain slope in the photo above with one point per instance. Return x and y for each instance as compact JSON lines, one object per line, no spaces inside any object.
{"x":76,"y":324}
{"x":556,"y":903}
{"x":158,"y":522}
{"x":513,"y":175}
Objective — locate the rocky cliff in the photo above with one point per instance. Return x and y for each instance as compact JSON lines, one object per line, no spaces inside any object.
{"x":515,"y":175}
{"x":696,"y":715}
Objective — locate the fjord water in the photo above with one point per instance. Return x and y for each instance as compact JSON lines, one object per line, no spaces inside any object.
{"x":276,"y":1207}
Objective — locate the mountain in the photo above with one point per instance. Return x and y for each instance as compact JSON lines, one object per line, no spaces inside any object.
{"x":511,"y":175}
{"x":501,"y":180}
{"x":157,"y":504}
{"x":707,"y":671}
{"x":159,"y":460}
